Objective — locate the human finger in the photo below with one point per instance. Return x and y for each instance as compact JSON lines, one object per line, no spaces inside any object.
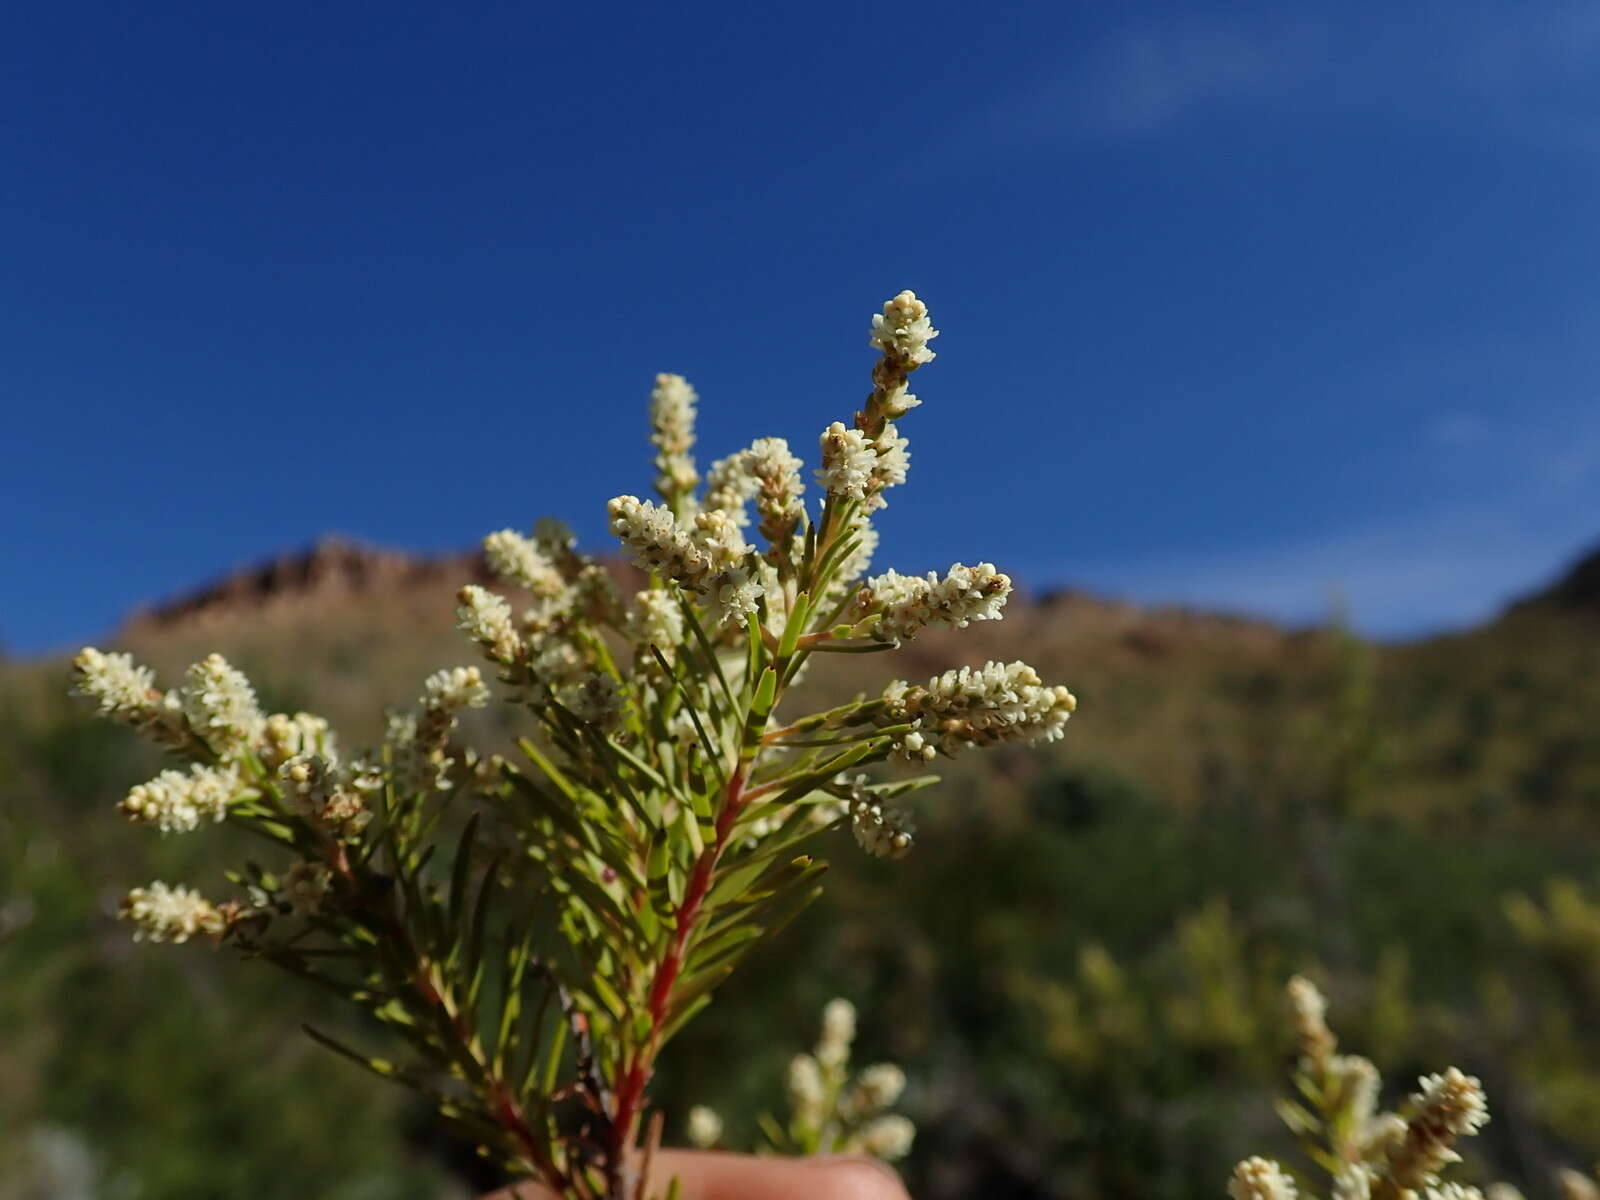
{"x":711,"y":1175}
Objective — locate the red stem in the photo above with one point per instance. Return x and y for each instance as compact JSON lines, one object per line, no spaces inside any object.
{"x":506,"y":1109}
{"x":630,"y":1088}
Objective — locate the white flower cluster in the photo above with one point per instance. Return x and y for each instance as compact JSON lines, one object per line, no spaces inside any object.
{"x":118,"y":687}
{"x":894,"y":460}
{"x":672,"y":414}
{"x":1452,"y":1102}
{"x":486,"y":619}
{"x":453,"y":689}
{"x":655,"y":620}
{"x":1308,"y":1013}
{"x":729,"y":487}
{"x":713,"y":560}
{"x":849,"y":458}
{"x":1445,"y":1108}
{"x":998,"y":702}
{"x":1353,"y":1183}
{"x":324,"y":792}
{"x":838,"y":1032}
{"x":519,"y":560}
{"x":161,"y":913}
{"x":445,"y":694}
{"x":826,"y":1116}
{"x":1454,"y":1191}
{"x":418,"y":739}
{"x":220,"y":706}
{"x":1356,"y":1080}
{"x":859,"y":467}
{"x":903,"y":330}
{"x":907,"y":604}
{"x":177,"y":801}
{"x":1260,"y":1179}
{"x":807,"y":1096}
{"x":776,"y":473}
{"x":704,"y":1127}
{"x":888,"y":1137}
{"x":882,"y":829}
{"x":765,"y":471}
{"x":877,"y":1087}
{"x":284,"y":736}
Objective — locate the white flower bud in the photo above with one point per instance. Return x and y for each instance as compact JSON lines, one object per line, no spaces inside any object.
{"x":903,"y":329}
{"x":518,"y":560}
{"x":838,"y":1031}
{"x":1260,"y":1179}
{"x":705,"y":1127}
{"x":998,"y":702}
{"x":486,"y":619}
{"x":907,"y":604}
{"x":891,"y":465}
{"x":283,"y":737}
{"x":709,"y":562}
{"x":881,"y":829}
{"x":1353,"y":1183}
{"x":177,"y":801}
{"x":220,"y":706}
{"x":879,"y":1087}
{"x":672,"y":413}
{"x":455,"y":688}
{"x":805,"y":1089}
{"x":848,"y":461}
{"x":888,"y":1137}
{"x":656,"y":620}
{"x":161,"y":913}
{"x":116,"y":685}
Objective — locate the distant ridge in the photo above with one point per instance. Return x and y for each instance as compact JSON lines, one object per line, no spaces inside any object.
{"x":335,"y":571}
{"x":1577,"y":589}
{"x":331,"y":571}
{"x":335,"y":575}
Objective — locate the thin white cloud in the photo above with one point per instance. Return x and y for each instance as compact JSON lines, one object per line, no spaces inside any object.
{"x":1442,"y":570}
{"x":1147,"y":77}
{"x":1507,"y":500}
{"x":1458,"y":430}
{"x":1525,"y":71}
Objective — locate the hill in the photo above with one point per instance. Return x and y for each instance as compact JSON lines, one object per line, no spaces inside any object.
{"x":1078,"y":965}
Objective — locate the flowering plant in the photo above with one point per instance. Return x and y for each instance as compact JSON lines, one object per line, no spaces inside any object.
{"x":535,"y":932}
{"x":1366,"y":1154}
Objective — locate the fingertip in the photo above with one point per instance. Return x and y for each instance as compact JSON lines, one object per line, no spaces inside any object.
{"x":859,"y":1178}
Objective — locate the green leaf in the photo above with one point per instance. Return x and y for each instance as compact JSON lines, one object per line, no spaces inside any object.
{"x":381,"y":1067}
{"x":794,"y":627}
{"x":710,"y":950}
{"x":1298,"y":1119}
{"x":548,"y":769}
{"x":463,"y":865}
{"x":561,"y":814}
{"x":472,"y":961}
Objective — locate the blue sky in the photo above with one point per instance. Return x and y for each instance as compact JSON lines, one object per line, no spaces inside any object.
{"x":1243,"y":305}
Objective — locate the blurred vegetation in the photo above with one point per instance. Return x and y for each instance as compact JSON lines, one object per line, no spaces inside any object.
{"x":1080,"y":965}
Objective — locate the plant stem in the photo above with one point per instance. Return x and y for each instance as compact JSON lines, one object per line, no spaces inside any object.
{"x":630,"y":1088}
{"x":461,"y":1042}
